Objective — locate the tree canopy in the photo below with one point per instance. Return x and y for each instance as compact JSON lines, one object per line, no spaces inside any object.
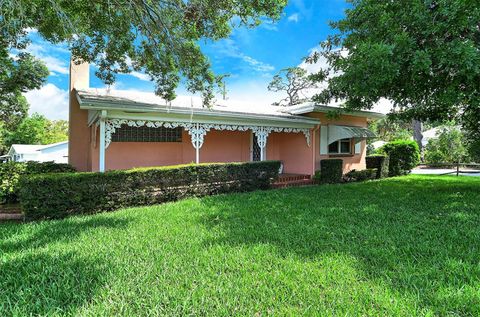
{"x":423,"y":55}
{"x":159,"y":37}
{"x":390,"y":129}
{"x":35,"y":129}
{"x":17,"y":75}
{"x":447,"y":147}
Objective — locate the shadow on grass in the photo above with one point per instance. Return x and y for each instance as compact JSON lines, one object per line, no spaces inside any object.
{"x":15,"y":237}
{"x":41,"y":275}
{"x":420,"y":237}
{"x":44,"y":284}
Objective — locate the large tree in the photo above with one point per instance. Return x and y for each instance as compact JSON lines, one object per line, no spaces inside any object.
{"x":293,"y":81}
{"x":423,"y":55}
{"x":159,"y":37}
{"x":17,"y":75}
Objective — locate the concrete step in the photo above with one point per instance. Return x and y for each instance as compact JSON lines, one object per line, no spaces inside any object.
{"x":8,"y":217}
{"x":296,"y":183}
{"x":292,"y":178}
{"x":10,"y":209}
{"x":11,"y":212}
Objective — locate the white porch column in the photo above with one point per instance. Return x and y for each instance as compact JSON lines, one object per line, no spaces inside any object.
{"x":197,"y":133}
{"x":261,"y":133}
{"x":101,"y":160}
{"x":197,"y":155}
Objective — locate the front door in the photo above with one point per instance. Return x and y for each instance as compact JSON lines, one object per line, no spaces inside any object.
{"x":256,"y":151}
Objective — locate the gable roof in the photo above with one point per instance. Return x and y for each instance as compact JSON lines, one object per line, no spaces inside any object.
{"x":49,"y":146}
{"x":147,"y":106}
{"x":134,"y":101}
{"x":24,"y":148}
{"x":312,"y":107}
{"x":145,"y":100}
{"x":32,"y":148}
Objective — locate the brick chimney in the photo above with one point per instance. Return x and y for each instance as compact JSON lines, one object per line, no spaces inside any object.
{"x":78,"y":130}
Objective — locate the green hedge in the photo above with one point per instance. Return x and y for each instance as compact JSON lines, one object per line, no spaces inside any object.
{"x":404,"y":156}
{"x":360,"y":176}
{"x":60,"y":195}
{"x":331,"y":171}
{"x":316,"y":177}
{"x":11,"y":172}
{"x":380,"y":162}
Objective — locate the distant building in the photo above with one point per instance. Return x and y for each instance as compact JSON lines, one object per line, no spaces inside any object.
{"x":378,"y":144}
{"x":428,"y":135}
{"x":56,"y":152}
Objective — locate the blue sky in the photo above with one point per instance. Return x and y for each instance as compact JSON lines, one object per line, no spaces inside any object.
{"x":250,"y":56}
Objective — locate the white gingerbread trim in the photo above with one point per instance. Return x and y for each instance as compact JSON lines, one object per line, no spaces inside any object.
{"x":198,"y":130}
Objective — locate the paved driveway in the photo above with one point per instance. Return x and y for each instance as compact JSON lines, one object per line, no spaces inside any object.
{"x":442,"y":171}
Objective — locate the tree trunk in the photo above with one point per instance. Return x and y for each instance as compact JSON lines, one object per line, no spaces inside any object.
{"x":417,"y":127}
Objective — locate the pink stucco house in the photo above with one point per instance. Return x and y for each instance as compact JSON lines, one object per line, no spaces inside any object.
{"x":112,"y":129}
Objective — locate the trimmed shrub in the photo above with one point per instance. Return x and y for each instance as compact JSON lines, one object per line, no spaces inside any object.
{"x":59,"y":195}
{"x":32,"y":167}
{"x":316,"y":177}
{"x":331,"y":171}
{"x":11,"y":172}
{"x":379,"y":162}
{"x":360,"y":176}
{"x":404,"y":156}
{"x":434,"y":157}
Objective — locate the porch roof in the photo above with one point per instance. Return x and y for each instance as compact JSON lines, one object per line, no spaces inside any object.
{"x":147,"y":106}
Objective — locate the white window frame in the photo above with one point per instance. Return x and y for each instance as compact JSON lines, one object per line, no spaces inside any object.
{"x":339,"y":142}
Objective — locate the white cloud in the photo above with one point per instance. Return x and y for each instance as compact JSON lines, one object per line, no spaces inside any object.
{"x":42,"y":51}
{"x":55,"y":65}
{"x":269,"y":25}
{"x":42,"y":47}
{"x":257,"y":65}
{"x":50,"y":101}
{"x":321,"y":63}
{"x":301,"y":7}
{"x":139,"y":75}
{"x":228,"y":48}
{"x":253,"y":92}
{"x":294,"y":18}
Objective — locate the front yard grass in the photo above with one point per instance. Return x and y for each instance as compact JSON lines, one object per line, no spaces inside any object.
{"x":402,"y":246}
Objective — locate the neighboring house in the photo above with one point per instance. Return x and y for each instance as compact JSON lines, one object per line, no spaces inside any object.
{"x":428,"y":135}
{"x":378,"y":144}
{"x":124,"y":129}
{"x":56,"y":152}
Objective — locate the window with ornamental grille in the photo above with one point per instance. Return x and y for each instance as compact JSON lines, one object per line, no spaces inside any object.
{"x":146,"y":134}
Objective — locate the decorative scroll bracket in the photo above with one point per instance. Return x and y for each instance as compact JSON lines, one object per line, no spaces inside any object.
{"x":197,"y":131}
{"x":261,"y":133}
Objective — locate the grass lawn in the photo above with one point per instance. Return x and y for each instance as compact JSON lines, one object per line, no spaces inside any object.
{"x":402,"y":246}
